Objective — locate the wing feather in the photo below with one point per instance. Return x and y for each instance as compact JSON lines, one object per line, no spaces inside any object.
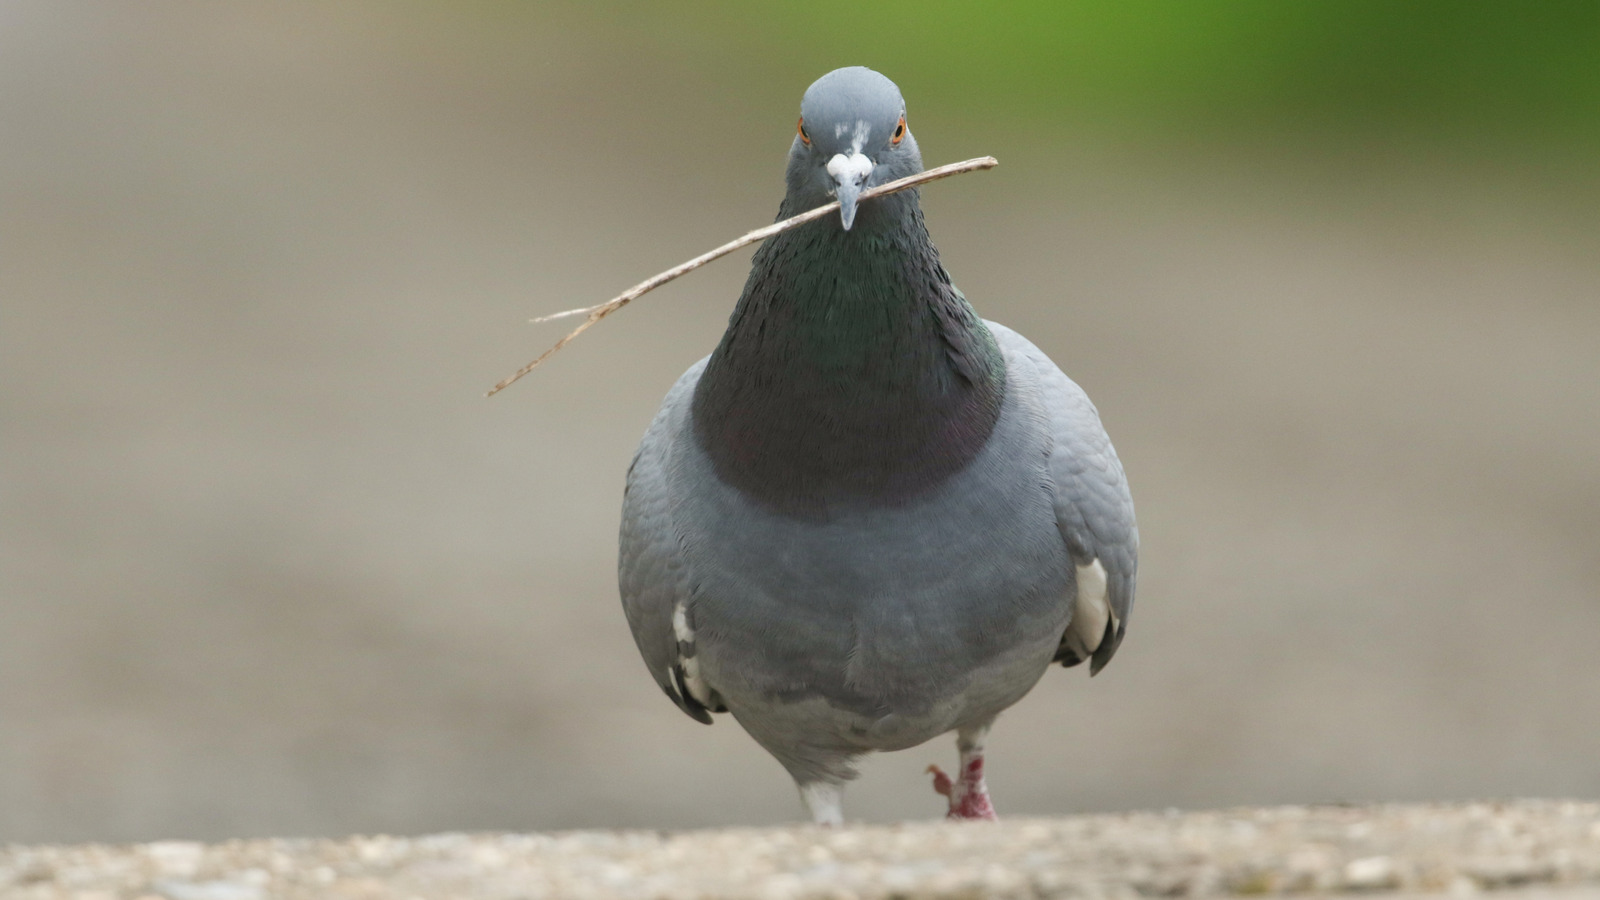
{"x":1094,"y":510}
{"x":651,"y":571}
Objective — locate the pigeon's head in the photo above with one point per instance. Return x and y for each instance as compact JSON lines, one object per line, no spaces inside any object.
{"x":852,"y":136}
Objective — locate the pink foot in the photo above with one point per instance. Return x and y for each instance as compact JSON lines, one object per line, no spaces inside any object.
{"x":969,"y":796}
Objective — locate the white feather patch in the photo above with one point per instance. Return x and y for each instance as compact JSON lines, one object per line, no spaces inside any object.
{"x":1092,"y":612}
{"x":680,"y":624}
{"x":692,"y":681}
{"x":825,"y":801}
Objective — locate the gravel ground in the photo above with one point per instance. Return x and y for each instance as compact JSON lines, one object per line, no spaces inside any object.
{"x":1542,"y":848}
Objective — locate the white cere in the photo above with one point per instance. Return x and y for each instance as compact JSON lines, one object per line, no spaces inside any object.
{"x":852,"y":169}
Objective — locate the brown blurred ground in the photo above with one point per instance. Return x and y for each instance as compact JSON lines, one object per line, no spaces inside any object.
{"x":269,"y":564}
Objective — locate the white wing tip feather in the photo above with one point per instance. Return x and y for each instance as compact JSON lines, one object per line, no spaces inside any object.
{"x":1092,"y":611}
{"x":692,"y":682}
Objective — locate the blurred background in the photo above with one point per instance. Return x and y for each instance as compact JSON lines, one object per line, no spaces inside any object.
{"x":271,"y":564}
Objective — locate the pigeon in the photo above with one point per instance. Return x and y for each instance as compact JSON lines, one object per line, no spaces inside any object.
{"x":869,"y":517}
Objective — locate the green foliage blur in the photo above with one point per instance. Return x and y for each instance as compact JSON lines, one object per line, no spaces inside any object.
{"x":1464,"y":72}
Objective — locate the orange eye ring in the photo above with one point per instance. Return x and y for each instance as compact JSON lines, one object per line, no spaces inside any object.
{"x":800,"y":128}
{"x":899,"y":132}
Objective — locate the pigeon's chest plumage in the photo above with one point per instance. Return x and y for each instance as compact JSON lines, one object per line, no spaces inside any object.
{"x":879,"y":609}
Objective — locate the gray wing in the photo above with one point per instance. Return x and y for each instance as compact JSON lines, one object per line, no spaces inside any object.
{"x":651,"y":571}
{"x":1094,"y":510}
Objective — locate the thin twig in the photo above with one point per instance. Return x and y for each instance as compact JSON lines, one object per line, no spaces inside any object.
{"x":564,"y":314}
{"x":596,"y":313}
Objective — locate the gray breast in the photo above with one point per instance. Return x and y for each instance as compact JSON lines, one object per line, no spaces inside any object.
{"x":878,"y":611}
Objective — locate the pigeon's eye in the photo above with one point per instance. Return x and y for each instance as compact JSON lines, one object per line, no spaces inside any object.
{"x":801,"y":128}
{"x":899,"y":131}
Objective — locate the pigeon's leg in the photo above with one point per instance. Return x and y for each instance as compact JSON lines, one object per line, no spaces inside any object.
{"x":825,"y":800}
{"x":969,"y":795}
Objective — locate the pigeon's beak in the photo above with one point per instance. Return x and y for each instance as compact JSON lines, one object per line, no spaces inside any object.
{"x":849,"y":177}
